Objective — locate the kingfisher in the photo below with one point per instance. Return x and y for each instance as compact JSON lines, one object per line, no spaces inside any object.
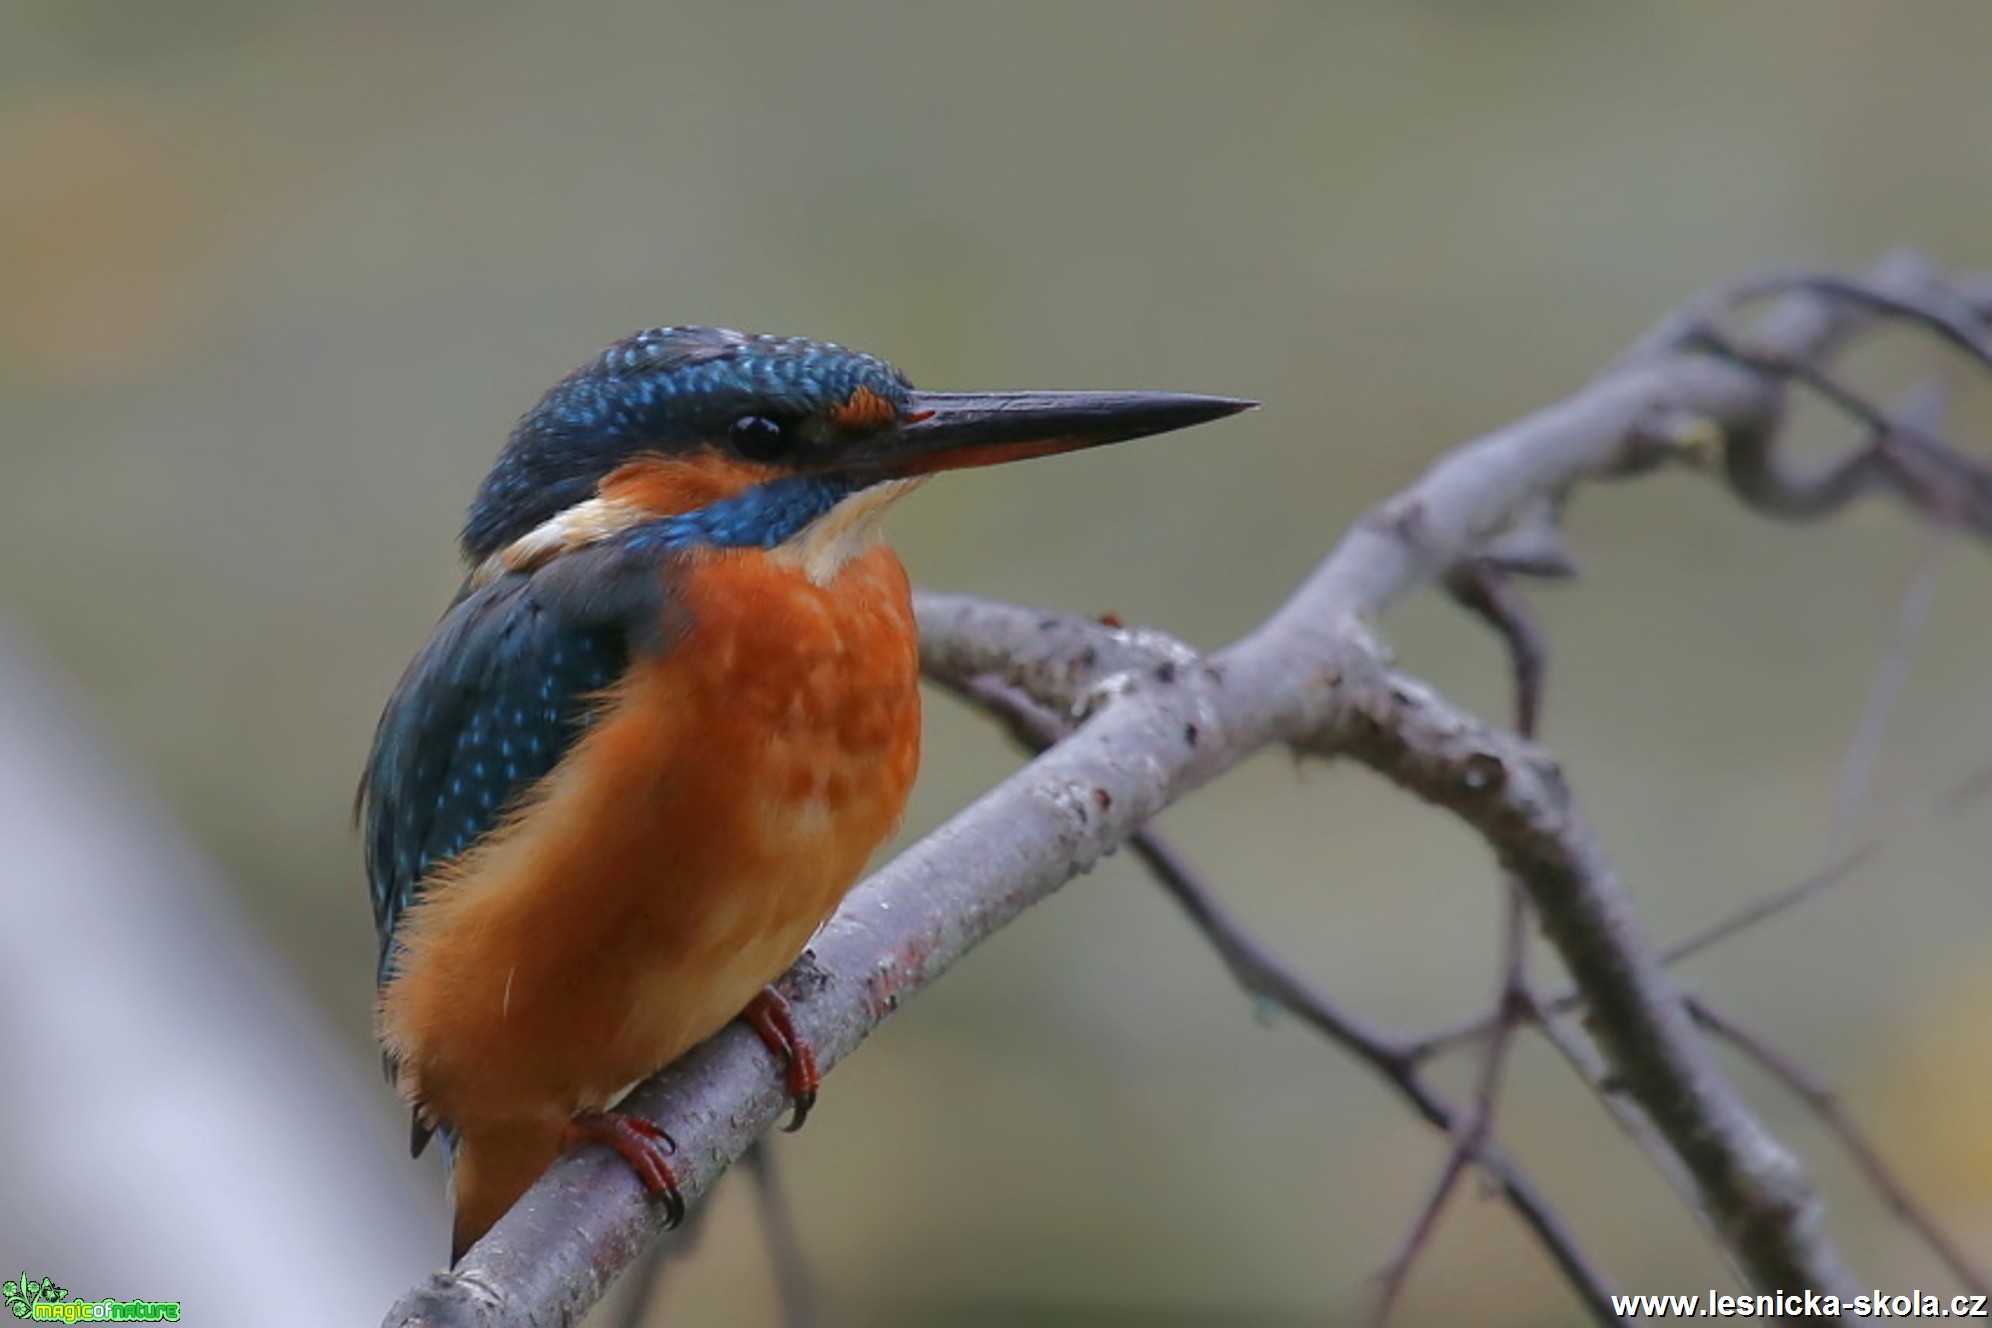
{"x":669,"y":716}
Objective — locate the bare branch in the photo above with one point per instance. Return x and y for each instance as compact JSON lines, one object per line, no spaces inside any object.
{"x":1480,"y":587}
{"x":1752,"y":1186}
{"x":1266,"y":976}
{"x":1159,"y":721}
{"x":1949,"y":487}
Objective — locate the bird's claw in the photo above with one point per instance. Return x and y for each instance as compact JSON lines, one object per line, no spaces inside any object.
{"x":769,"y":1015}
{"x":641,"y":1143}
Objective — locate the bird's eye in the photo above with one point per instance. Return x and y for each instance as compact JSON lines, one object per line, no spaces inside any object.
{"x":759,"y":438}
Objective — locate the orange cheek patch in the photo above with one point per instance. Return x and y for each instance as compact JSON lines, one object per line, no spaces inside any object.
{"x":864,"y":412}
{"x":670,"y":486}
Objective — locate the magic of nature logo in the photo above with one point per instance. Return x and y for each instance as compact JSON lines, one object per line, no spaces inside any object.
{"x":43,"y":1300}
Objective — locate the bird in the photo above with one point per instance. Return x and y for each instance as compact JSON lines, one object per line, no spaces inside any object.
{"x":668,"y":718}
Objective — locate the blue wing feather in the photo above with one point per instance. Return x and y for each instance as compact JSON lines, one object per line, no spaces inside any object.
{"x":497,"y":697}
{"x":499,"y":694}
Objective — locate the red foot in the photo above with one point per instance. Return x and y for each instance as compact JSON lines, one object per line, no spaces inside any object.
{"x":640,"y":1143}
{"x":771,"y":1019}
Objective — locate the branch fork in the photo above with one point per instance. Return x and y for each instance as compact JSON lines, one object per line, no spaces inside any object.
{"x":1130,"y":719}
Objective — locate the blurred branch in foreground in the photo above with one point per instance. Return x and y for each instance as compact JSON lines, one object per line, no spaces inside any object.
{"x":1152,"y":720}
{"x":185,"y":1127}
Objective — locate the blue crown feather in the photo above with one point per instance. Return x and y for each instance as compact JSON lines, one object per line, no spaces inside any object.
{"x":668,"y":389}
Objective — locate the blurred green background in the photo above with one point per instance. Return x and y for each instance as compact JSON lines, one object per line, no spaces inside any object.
{"x":276,"y":278}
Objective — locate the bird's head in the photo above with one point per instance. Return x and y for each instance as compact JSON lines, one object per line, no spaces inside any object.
{"x":738,"y":440}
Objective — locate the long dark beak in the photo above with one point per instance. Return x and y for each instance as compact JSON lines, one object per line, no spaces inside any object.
{"x":958,"y":430}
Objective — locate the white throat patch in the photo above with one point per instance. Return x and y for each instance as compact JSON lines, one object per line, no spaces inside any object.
{"x":853,"y":527}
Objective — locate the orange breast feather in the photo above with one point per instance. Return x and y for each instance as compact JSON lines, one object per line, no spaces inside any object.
{"x":679,"y":859}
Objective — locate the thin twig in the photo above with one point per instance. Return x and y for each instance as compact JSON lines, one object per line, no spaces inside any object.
{"x":638,"y":1291}
{"x":1959,"y":311}
{"x":1941,"y":310}
{"x":1482,"y":588}
{"x":642,"y":1284}
{"x":1255,"y":967}
{"x":1476,"y":1125}
{"x":1591,"y":1069}
{"x":1923,"y":409}
{"x":1825,"y":1103}
{"x":1962,"y":796}
{"x":1933,"y":476}
{"x":1887,"y":685}
{"x":793,"y":1283}
{"x":1269,"y":977}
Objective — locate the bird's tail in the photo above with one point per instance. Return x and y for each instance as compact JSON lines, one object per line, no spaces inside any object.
{"x":493,"y":1166}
